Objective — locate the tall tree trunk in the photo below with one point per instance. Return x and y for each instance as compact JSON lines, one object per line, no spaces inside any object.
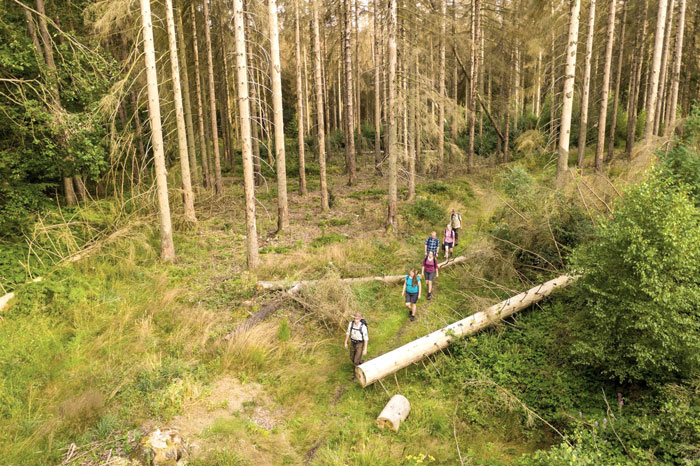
{"x":189,"y":126}
{"x":357,"y":109}
{"x":583,"y":125}
{"x":280,"y":156}
{"x":655,"y":70}
{"x":307,"y":93}
{"x":244,"y":117}
{"x":538,"y":83}
{"x":441,"y":84}
{"x":187,"y":194}
{"x":69,"y":191}
{"x":377,"y":92}
{"x":412,"y":110}
{"x":605,"y":93}
{"x":203,"y":148}
{"x":349,"y":96}
{"x":473,"y":83}
{"x":318,"y":84}
{"x":167,"y":248}
{"x":664,"y":66}
{"x":218,"y":186}
{"x":300,"y":103}
{"x":392,"y":218}
{"x":633,"y":97}
{"x":675,"y":78}
{"x":568,"y":95}
{"x":552,"y":82}
{"x":618,"y":78}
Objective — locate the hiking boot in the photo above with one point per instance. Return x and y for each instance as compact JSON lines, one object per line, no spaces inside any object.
{"x":413,"y":317}
{"x":430,"y":295}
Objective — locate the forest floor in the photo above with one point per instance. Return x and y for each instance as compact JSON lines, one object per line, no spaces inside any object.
{"x":136,"y":344}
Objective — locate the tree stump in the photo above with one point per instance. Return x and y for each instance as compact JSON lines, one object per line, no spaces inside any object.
{"x":395,"y":411}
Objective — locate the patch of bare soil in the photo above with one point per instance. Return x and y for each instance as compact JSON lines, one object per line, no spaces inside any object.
{"x":227,"y":396}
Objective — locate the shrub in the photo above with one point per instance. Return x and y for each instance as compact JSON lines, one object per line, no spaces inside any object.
{"x":328,"y":239}
{"x":427,"y":209}
{"x":516,"y":181}
{"x":682,"y":164}
{"x":640,"y":287}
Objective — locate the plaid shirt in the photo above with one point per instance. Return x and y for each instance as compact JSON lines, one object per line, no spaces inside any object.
{"x":433,"y":244}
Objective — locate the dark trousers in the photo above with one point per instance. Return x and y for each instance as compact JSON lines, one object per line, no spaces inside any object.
{"x":356,"y":352}
{"x":456,"y":230}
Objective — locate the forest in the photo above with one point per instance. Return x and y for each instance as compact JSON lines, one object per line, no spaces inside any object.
{"x":492,"y":205}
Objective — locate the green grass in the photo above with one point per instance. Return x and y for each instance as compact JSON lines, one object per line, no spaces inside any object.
{"x":120,"y":339}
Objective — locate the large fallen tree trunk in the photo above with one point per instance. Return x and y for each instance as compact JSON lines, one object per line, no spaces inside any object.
{"x":395,"y":360}
{"x":283,"y":285}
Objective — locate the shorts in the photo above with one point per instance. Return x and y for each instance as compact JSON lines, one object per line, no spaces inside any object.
{"x":429,"y":275}
{"x":448,"y":246}
{"x":411,"y":298}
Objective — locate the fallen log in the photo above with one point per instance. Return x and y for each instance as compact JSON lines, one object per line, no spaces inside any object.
{"x":395,"y":360}
{"x":394,"y":413}
{"x":5,"y":299}
{"x":283,"y":285}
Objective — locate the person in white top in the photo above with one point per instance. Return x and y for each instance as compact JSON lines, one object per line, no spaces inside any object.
{"x":456,"y":221}
{"x":358,"y":336}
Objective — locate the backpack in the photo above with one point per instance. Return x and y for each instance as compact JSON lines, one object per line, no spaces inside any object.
{"x":362,"y":322}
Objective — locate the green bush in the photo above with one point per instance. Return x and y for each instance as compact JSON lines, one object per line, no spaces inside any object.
{"x":516,"y":181}
{"x":328,"y":239}
{"x":639,"y":316}
{"x":682,"y":164}
{"x":429,"y":210}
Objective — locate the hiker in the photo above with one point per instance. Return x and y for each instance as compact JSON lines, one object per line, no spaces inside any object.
{"x":456,"y":222}
{"x":357,"y":334}
{"x":449,"y":240}
{"x":429,"y":270}
{"x":432,"y":244}
{"x":411,"y":290}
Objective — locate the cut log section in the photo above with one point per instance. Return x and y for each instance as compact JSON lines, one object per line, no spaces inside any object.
{"x":394,"y":413}
{"x":283,"y":285}
{"x":395,"y":360}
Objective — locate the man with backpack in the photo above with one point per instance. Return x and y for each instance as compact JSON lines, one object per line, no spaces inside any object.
{"x":456,"y":221}
{"x":358,"y":336}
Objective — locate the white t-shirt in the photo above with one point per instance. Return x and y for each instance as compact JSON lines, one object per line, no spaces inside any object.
{"x":357,"y":333}
{"x":456,"y":220}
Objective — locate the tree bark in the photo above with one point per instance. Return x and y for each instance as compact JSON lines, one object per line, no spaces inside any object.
{"x":377,"y":92}
{"x":218,"y":186}
{"x":441,"y":84}
{"x":167,"y":248}
{"x":287,"y":285}
{"x":538,"y":84}
{"x":318,"y":84}
{"x":203,"y":149}
{"x":568,"y":97}
{"x":349,"y":94}
{"x":664,"y":66}
{"x":633,"y":97}
{"x":605,"y":92}
{"x":583,"y":125}
{"x":399,"y":358}
{"x":69,"y":191}
{"x":280,"y":156}
{"x":392,"y":218}
{"x":246,"y":148}
{"x":655,"y":69}
{"x":473,"y":84}
{"x":675,"y":78}
{"x":618,"y":79}
{"x":300,"y":102}
{"x":187,"y":194}
{"x":394,"y":413}
{"x":189,"y":126}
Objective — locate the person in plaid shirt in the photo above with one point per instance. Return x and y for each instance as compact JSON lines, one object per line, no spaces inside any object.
{"x":432,"y":244}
